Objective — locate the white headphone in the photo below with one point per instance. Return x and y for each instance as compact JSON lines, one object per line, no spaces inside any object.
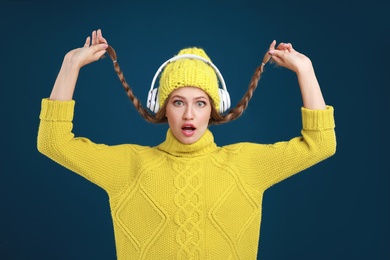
{"x":152,"y":102}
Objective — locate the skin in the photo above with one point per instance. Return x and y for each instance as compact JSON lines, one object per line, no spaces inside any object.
{"x":74,"y":60}
{"x":188,"y":112}
{"x":284,"y":55}
{"x":188,"y":109}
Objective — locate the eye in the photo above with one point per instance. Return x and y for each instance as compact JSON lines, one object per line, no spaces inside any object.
{"x":201,"y":103}
{"x":178,"y":103}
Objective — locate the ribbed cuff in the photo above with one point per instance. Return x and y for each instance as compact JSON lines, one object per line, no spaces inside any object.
{"x":318,"y":119}
{"x":54,"y":110}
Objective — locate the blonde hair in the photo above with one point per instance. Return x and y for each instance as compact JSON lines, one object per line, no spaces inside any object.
{"x":216,"y":118}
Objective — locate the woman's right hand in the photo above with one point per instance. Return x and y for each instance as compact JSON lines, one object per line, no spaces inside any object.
{"x":89,"y":53}
{"x":74,"y":60}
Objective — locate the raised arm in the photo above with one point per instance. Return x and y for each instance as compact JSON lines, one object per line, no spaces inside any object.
{"x":74,"y":60}
{"x":284,"y":55}
{"x":106,"y":166}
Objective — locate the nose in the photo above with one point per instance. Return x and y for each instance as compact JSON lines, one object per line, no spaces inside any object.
{"x":188,"y":113}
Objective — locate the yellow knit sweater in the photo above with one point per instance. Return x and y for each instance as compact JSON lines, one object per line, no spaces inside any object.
{"x":177,"y":201}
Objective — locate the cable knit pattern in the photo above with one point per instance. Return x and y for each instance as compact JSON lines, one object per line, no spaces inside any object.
{"x":188,"y":217}
{"x":177,"y":201}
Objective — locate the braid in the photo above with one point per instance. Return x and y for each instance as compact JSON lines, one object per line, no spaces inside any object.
{"x":237,"y":111}
{"x":137,"y":103}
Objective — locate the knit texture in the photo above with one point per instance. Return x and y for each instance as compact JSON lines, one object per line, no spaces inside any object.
{"x":177,"y":201}
{"x":189,"y":73}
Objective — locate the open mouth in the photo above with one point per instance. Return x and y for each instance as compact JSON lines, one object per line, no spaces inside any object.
{"x":188,"y":129}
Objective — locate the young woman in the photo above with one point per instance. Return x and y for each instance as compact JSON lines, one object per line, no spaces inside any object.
{"x":186,"y":198}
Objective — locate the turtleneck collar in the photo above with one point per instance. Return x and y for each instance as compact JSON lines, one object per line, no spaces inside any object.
{"x":203,"y":146}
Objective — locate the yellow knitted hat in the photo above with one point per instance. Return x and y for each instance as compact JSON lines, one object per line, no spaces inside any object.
{"x":189,"y":73}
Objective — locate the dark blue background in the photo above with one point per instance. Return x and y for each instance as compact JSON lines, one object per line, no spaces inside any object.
{"x":338,"y":209}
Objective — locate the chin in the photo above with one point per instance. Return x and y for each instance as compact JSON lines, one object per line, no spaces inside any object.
{"x":188,"y":140}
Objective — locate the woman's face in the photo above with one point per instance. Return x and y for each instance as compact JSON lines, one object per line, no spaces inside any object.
{"x":188,"y":112}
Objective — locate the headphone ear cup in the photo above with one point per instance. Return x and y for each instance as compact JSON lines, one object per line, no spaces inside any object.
{"x":152,"y":102}
{"x":228,"y":101}
{"x":225,"y":100}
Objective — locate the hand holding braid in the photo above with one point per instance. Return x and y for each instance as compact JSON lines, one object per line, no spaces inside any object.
{"x":74,"y":60}
{"x":284,"y":55}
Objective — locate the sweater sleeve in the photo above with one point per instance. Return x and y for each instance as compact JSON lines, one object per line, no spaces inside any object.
{"x":106,"y":166}
{"x":265,"y":165}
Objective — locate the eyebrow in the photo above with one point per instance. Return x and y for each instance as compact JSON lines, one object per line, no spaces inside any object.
{"x":182,"y":97}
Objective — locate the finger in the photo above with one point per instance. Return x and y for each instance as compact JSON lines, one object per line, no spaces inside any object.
{"x":280,"y":46}
{"x":276,"y":59}
{"x":99,"y":49}
{"x":95,"y":52}
{"x":277,"y":55}
{"x":290,"y":47}
{"x":94,"y":41}
{"x":287,"y":47}
{"x":98,"y":55}
{"x":100,"y":37}
{"x":272,"y":45}
{"x":267,"y":56}
{"x":87,"y":41}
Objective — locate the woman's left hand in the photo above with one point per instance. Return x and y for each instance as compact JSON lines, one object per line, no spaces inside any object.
{"x":284,"y":55}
